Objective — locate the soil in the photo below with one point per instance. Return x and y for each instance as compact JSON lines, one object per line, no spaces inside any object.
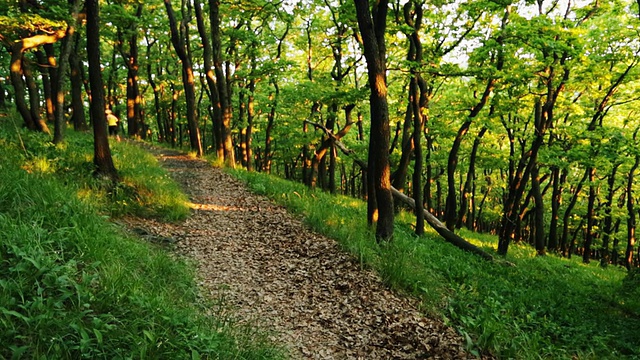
{"x":277,"y":274}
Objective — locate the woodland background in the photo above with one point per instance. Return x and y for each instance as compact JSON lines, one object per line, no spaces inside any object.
{"x":525,"y":113}
{"x":514,"y":119}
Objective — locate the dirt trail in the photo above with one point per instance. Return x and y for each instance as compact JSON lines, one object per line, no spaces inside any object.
{"x":276,"y":273}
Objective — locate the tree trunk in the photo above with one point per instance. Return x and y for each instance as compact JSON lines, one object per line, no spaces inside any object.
{"x":538,"y":219}
{"x":102,"y":154}
{"x":372,"y":30}
{"x":134,"y":111}
{"x":207,"y":53}
{"x":418,"y":125}
{"x":162,"y":134}
{"x":77,"y":103}
{"x":16,"y":72}
{"x":19,"y":89}
{"x":266,"y":163}
{"x":250,"y":116}
{"x":466,"y":200}
{"x":608,"y":219}
{"x":223,"y":91}
{"x":567,"y":213}
{"x":34,"y":99}
{"x":588,"y":241}
{"x":46,"y":65}
{"x":400,"y":175}
{"x":3,"y":95}
{"x":63,"y":64}
{"x":180,"y":46}
{"x":556,"y":200}
{"x":631,"y":216}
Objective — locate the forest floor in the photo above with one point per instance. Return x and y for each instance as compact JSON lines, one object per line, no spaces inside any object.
{"x":273,"y":272}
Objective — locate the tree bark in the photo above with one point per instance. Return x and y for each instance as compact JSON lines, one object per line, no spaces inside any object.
{"x":225,"y":101}
{"x":162,"y":133}
{"x":588,"y":241}
{"x":631,"y":216}
{"x":418,"y":125}
{"x":567,"y":213}
{"x":372,"y":26}
{"x":34,"y":99}
{"x":608,"y":219}
{"x":207,"y":54}
{"x":466,"y":200}
{"x":266,"y":162}
{"x":78,"y":118}
{"x":556,"y":200}
{"x":45,"y":65}
{"x":63,"y":64}
{"x":179,"y":44}
{"x":135,"y":120}
{"x":538,"y":219}
{"x":250,"y":116}
{"x":19,"y":89}
{"x":102,"y":154}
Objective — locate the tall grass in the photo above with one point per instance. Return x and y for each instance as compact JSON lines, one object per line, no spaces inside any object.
{"x":72,"y":285}
{"x":544,"y":307}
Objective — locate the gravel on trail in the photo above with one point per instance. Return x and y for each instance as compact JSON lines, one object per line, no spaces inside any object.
{"x":277,"y":274}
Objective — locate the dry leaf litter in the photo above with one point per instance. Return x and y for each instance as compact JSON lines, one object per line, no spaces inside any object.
{"x":275,"y":273}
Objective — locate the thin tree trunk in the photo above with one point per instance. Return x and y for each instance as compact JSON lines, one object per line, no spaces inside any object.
{"x":63,"y":64}
{"x":567,"y":213}
{"x":266,"y":164}
{"x":556,"y":200}
{"x":46,"y":65}
{"x":19,"y":88}
{"x":34,"y":99}
{"x":466,"y":200}
{"x":250,"y":116}
{"x":78,"y":119}
{"x":3,"y":95}
{"x":631,"y":216}
{"x":211,"y":81}
{"x":223,"y":91}
{"x":538,"y":218}
{"x":156,"y":95}
{"x":608,"y":219}
{"x":180,"y":46}
{"x":418,"y":124}
{"x":588,"y":241}
{"x":134,"y":111}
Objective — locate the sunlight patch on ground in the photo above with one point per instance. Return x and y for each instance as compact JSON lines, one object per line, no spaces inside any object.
{"x":214,"y":207}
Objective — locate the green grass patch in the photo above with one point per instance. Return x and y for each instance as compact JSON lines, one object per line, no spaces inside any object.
{"x":73,"y":286}
{"x":145,"y":188}
{"x":544,"y":307}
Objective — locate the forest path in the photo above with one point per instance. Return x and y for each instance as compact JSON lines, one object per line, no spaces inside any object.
{"x":277,"y":274}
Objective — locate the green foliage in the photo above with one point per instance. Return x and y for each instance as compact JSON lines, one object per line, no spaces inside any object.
{"x":544,"y":307}
{"x":73,"y":286}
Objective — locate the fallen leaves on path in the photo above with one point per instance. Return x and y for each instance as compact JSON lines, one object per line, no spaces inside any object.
{"x":276,"y":273}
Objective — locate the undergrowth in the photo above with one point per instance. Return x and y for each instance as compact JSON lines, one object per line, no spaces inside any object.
{"x":544,"y":307}
{"x":73,"y":286}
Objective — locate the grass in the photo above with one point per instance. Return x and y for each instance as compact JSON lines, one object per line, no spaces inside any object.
{"x":72,"y":285}
{"x":543,"y":308}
